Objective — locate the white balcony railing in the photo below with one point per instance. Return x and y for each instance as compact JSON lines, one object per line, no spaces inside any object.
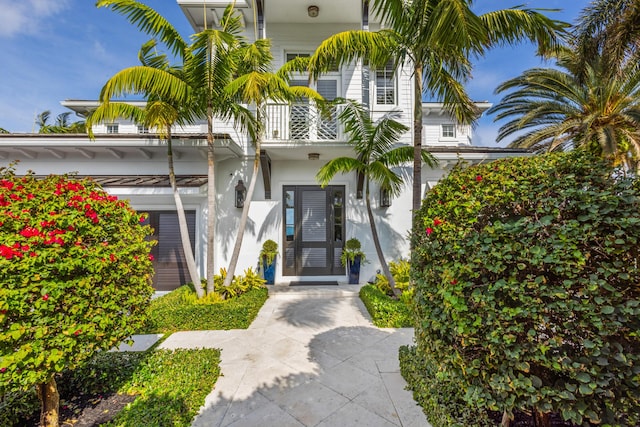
{"x":301,"y":122}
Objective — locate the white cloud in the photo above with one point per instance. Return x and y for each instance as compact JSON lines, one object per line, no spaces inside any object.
{"x":26,"y":16}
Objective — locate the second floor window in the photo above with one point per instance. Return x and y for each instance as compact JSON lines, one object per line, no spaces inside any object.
{"x":143,"y":129}
{"x":385,"y":85}
{"x":112,"y":128}
{"x":448,"y":131}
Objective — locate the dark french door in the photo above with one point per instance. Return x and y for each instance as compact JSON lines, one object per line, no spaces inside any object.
{"x":313,"y":230}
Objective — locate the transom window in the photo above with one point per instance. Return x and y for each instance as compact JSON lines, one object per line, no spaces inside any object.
{"x":112,"y":128}
{"x":448,"y":130}
{"x":385,"y":85}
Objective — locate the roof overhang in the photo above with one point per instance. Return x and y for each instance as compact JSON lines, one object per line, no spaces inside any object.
{"x":438,"y":108}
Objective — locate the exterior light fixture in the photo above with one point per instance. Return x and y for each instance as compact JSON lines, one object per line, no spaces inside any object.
{"x":385,"y":198}
{"x":313,"y":156}
{"x":241,"y":193}
{"x":313,"y":11}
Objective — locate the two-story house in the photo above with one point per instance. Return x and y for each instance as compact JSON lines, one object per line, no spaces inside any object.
{"x":309,"y":223}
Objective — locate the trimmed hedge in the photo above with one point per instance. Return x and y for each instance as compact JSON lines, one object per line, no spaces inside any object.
{"x":172,"y":312}
{"x":441,"y":397}
{"x":385,"y":311}
{"x":527,"y":286}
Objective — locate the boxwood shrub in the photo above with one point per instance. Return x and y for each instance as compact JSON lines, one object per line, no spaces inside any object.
{"x":527,"y":286}
{"x":385,"y":311}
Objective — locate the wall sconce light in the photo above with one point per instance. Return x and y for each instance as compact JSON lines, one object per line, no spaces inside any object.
{"x":313,"y":11}
{"x":313,"y":156}
{"x":241,"y":193}
{"x":385,"y":198}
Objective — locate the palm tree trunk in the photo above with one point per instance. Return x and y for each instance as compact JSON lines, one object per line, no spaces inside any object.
{"x":182,"y":221}
{"x":50,"y":402}
{"x":233,"y":263}
{"x":506,"y":420}
{"x":376,"y":243}
{"x":211,"y":201}
{"x":417,"y":139}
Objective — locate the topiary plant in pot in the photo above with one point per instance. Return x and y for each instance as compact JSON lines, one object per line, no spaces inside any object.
{"x":268,"y":256}
{"x":352,"y":256}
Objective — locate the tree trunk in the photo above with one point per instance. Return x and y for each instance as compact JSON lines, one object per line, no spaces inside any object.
{"x":49,"y":403}
{"x":233,"y":262}
{"x":182,"y":222}
{"x":211,"y":201}
{"x":376,"y":243}
{"x":541,"y":419}
{"x":417,"y":140}
{"x":506,"y":420}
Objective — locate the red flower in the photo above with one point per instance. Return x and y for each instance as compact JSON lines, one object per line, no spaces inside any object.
{"x":3,"y":370}
{"x":45,"y":297}
{"x":6,"y":184}
{"x":6,"y":251}
{"x":30,"y":196}
{"x":135,"y":257}
{"x":151,"y":258}
{"x":15,"y":197}
{"x":33,"y":254}
{"x":112,"y":257}
{"x":142,"y":218}
{"x":3,"y":311}
{"x":77,"y":332}
{"x":429,"y":230}
{"x":30,"y":232}
{"x":437,"y":222}
{"x":478,"y":178}
{"x":454,"y":282}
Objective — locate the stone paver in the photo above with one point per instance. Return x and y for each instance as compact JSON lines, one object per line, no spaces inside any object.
{"x":312,"y":357}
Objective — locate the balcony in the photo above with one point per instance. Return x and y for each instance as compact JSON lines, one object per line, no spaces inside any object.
{"x":301,"y":122}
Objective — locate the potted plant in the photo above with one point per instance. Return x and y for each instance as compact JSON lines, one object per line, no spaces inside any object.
{"x":268,"y":256}
{"x":352,"y":256}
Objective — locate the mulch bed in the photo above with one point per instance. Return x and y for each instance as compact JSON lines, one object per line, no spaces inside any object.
{"x":87,"y":410}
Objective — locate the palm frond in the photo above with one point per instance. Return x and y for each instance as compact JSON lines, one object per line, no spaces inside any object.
{"x":338,"y":165}
{"x":148,"y":21}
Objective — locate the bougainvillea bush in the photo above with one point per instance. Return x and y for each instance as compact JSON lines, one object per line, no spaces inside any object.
{"x":75,"y":275}
{"x":528,"y":287}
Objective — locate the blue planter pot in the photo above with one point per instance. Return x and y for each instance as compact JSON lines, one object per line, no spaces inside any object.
{"x":354,"y":270}
{"x":269,"y":271}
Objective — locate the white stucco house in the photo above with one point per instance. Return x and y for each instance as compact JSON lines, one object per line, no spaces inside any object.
{"x":309,"y":223}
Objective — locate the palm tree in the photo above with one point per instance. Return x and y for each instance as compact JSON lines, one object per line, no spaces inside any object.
{"x":3,"y":130}
{"x":208,"y":64}
{"x":376,"y":148}
{"x":436,"y":38}
{"x":255,"y":85}
{"x":609,"y":29}
{"x":161,"y":116}
{"x":62,"y":123}
{"x":559,"y":110}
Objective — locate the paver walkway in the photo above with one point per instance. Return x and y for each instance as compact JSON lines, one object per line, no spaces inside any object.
{"x":312,"y":357}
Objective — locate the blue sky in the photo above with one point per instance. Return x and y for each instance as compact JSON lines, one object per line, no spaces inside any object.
{"x":67,"y":49}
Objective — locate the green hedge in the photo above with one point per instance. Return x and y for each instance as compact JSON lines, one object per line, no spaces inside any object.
{"x":172,"y":312}
{"x":170,"y":386}
{"x":526,"y":275}
{"x":385,"y":311}
{"x":441,"y":397}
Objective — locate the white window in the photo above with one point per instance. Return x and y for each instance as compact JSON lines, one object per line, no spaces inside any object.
{"x":448,"y":130}
{"x":143,"y":129}
{"x":112,"y":128}
{"x":385,"y":85}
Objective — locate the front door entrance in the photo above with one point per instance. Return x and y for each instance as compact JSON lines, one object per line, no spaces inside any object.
{"x":313,"y":230}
